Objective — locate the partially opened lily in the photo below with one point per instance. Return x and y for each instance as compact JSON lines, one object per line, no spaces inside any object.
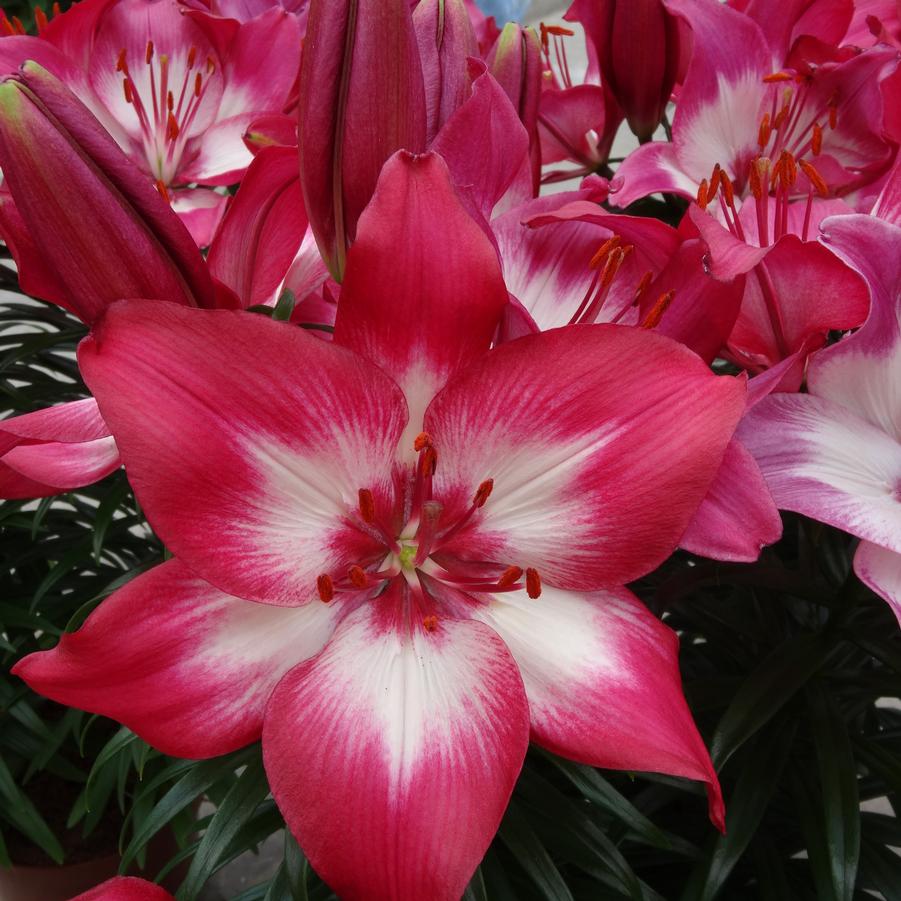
{"x":176,"y":90}
{"x":834,"y":454}
{"x":439,"y":537}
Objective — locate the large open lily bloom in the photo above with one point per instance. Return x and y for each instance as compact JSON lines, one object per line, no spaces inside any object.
{"x":176,"y":90}
{"x":432,"y":539}
{"x":125,"y":888}
{"x":835,"y":454}
{"x":748,"y":103}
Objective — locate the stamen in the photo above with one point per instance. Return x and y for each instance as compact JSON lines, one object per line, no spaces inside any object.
{"x":509,"y":576}
{"x":171,"y":126}
{"x":603,"y":250}
{"x":533,"y":583}
{"x":121,"y":64}
{"x":192,"y":57}
{"x":40,"y":19}
{"x":815,"y":178}
{"x":643,"y":283}
{"x":161,"y":187}
{"x":8,"y":29}
{"x":702,"y":194}
{"x":715,"y":178}
{"x":429,"y":461}
{"x":728,"y":189}
{"x":422,"y":441}
{"x":430,"y":623}
{"x":367,"y":505}
{"x":816,"y":141}
{"x":483,"y":492}
{"x":17,"y":24}
{"x":777,"y":76}
{"x":170,"y":101}
{"x":148,"y":53}
{"x":652,"y":320}
{"x":763,"y":135}
{"x":210,"y":65}
{"x":427,"y":530}
{"x":358,"y":577}
{"x":198,"y":81}
{"x":56,"y":9}
{"x":127,"y":90}
{"x":326,"y":588}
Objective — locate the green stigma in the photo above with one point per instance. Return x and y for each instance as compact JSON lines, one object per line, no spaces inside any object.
{"x":407,"y":555}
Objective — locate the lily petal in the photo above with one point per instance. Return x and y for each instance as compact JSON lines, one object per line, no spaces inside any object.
{"x":822,"y":460}
{"x":393,"y":753}
{"x":738,"y":515}
{"x":418,"y":303}
{"x":266,"y":451}
{"x":602,"y":678}
{"x":621,"y":423}
{"x":880,"y":569}
{"x":184,"y":665}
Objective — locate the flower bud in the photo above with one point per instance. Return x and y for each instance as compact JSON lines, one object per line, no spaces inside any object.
{"x":361,"y":99}
{"x":86,"y":222}
{"x":636,"y":46}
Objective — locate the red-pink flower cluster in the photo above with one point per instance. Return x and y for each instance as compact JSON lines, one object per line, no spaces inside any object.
{"x":403,"y":506}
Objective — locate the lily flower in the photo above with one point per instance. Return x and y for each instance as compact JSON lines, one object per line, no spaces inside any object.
{"x":433,"y":538}
{"x":743,"y":107}
{"x":834,"y":454}
{"x":177,"y":91}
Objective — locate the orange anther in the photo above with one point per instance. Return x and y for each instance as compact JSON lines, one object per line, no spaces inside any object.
{"x":127,"y":90}
{"x":558,"y":31}
{"x":702,"y":194}
{"x":121,"y":64}
{"x":40,"y":19}
{"x":603,"y":250}
{"x":728,"y":189}
{"x":833,"y":116}
{"x":816,"y":140}
{"x":509,"y":576}
{"x":643,"y":283}
{"x":161,"y":187}
{"x":192,"y":57}
{"x":170,"y":101}
{"x":422,"y":441}
{"x":198,"y":81}
{"x":763,"y":134}
{"x":326,"y":587}
{"x":652,"y":320}
{"x":777,"y":76}
{"x":611,"y":267}
{"x":815,"y":178}
{"x":429,"y":460}
{"x":210,"y":65}
{"x":55,"y":9}
{"x":533,"y":583}
{"x":172,"y":128}
{"x":148,"y":52}
{"x":17,"y":24}
{"x":430,"y":623}
{"x":788,"y":170}
{"x":8,"y":29}
{"x":358,"y":577}
{"x":367,"y":505}
{"x":483,"y":492}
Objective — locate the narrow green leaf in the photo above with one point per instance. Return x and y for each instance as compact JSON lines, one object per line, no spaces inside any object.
{"x":105,"y":513}
{"x":115,"y":746}
{"x":476,"y":891}
{"x":297,"y":869}
{"x":766,"y":691}
{"x":838,"y":783}
{"x":242,"y":799}
{"x":284,"y":306}
{"x":744,"y":811}
{"x":532,"y":856}
{"x":18,"y":811}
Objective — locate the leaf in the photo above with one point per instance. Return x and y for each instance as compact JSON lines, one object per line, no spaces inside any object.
{"x":880,"y":869}
{"x":838,"y":783}
{"x":763,"y":694}
{"x":532,"y":856}
{"x":242,"y":799}
{"x":297,"y":869}
{"x":118,"y":743}
{"x":759,"y":778}
{"x":198,"y":778}
{"x":18,"y":810}
{"x":590,"y":783}
{"x":105,"y":513}
{"x":284,"y":306}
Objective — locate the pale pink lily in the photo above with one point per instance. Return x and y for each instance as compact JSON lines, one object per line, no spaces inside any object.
{"x":834,"y":454}
{"x":439,"y":537}
{"x":176,"y":90}
{"x":741,"y":109}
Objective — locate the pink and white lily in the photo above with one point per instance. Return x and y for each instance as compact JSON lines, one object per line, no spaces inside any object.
{"x":744,"y":107}
{"x":433,"y":539}
{"x":834,"y":454}
{"x":176,"y":90}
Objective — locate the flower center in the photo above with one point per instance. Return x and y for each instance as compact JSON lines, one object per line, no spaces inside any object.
{"x":168,"y":107}
{"x":427,"y":532}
